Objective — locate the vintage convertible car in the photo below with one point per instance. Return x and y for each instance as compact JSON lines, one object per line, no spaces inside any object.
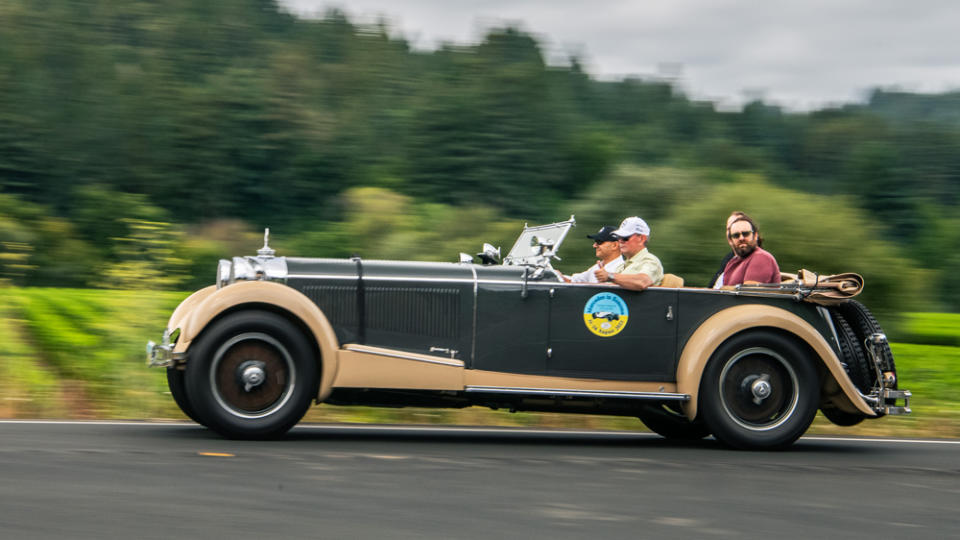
{"x":750,"y":365}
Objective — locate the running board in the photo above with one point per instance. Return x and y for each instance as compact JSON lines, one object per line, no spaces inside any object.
{"x":558,"y":392}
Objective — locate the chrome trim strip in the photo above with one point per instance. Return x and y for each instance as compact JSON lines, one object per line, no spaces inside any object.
{"x":473,"y":332}
{"x":402,"y":356}
{"x":323,"y":276}
{"x":579,"y":393}
{"x":431,"y":279}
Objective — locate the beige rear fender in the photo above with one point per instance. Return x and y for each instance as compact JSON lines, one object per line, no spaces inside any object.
{"x":196,"y":312}
{"x":725,"y":324}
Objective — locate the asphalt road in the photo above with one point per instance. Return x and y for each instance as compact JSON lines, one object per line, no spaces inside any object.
{"x":93,"y":480}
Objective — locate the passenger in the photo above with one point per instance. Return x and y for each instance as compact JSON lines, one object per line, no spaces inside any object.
{"x":717,"y":280}
{"x":641,"y":269}
{"x":751,"y":264}
{"x":607,"y":250}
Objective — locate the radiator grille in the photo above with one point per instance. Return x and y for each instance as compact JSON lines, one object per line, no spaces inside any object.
{"x":424,"y":311}
{"x":337,"y":302}
{"x":419,"y":311}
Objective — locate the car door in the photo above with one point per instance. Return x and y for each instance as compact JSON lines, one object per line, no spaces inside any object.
{"x":512,"y":319}
{"x":599,"y":331}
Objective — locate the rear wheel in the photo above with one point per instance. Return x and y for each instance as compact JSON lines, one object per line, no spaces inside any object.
{"x":840,"y":417}
{"x":251,"y":375}
{"x":759,"y":390}
{"x":667,"y":420}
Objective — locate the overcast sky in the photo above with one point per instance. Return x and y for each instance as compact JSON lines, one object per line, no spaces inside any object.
{"x":801,"y":54}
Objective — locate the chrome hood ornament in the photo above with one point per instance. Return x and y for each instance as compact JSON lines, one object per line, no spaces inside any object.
{"x":266,"y":251}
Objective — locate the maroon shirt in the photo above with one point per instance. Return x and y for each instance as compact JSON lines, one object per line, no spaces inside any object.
{"x":759,"y":266}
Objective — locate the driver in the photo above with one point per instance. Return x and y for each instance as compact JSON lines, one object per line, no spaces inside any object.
{"x":641,"y":269}
{"x":607,"y":250}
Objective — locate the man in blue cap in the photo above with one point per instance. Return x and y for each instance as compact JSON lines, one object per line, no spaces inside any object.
{"x":607,"y":250}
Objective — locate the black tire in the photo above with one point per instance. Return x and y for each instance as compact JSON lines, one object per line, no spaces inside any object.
{"x":864,"y":324}
{"x":176,"y":383}
{"x":855,"y":361}
{"x":666,"y":420}
{"x":841,"y":418}
{"x":251,"y":375}
{"x":759,"y":390}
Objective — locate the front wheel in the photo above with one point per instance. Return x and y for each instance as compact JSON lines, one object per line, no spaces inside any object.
{"x":177,"y":384}
{"x":251,"y":375}
{"x":759,"y":391}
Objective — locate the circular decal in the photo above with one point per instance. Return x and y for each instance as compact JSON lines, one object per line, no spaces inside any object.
{"x":605,"y":314}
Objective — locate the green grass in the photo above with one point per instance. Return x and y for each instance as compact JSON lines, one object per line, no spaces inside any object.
{"x":71,"y":353}
{"x":932,"y":328}
{"x":91,"y":343}
{"x":25,"y":386}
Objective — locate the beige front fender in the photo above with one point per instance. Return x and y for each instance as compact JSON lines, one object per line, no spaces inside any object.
{"x":724,"y":324}
{"x":196,"y":312}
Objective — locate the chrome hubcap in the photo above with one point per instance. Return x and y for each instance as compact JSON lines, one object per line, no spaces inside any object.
{"x":746,"y":386}
{"x":761,"y":390}
{"x":252,"y":375}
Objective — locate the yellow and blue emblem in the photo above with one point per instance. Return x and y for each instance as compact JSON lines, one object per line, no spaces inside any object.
{"x":605,"y":314}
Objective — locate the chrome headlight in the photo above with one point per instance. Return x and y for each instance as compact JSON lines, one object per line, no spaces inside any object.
{"x":224,"y":269}
{"x":243,"y":269}
{"x":251,"y":269}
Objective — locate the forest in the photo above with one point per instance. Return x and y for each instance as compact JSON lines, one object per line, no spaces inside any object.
{"x":142,"y":140}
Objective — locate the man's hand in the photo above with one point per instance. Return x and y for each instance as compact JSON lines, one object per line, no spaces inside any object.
{"x":634,"y":282}
{"x":601,"y":274}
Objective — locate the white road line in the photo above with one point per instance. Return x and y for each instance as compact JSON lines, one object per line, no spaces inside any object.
{"x":871,"y":439}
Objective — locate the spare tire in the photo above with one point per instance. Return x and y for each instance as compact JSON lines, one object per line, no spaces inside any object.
{"x":854,"y":357}
{"x":864,"y":324}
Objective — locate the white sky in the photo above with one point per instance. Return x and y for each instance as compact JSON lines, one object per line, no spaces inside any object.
{"x":801,"y":54}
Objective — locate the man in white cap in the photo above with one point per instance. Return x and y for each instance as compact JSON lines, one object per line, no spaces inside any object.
{"x":641,"y":269}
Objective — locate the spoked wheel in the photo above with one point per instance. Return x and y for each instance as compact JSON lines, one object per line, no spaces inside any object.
{"x":251,"y":375}
{"x":759,"y":390}
{"x":667,"y":420}
{"x":177,"y":385}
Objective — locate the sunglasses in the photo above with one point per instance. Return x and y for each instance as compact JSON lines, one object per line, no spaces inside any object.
{"x":744,"y":234}
{"x":625,"y":238}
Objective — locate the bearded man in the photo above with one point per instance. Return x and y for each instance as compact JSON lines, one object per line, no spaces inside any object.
{"x":751,"y":263}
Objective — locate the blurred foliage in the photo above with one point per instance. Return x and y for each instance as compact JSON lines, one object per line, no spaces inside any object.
{"x":381,"y":224}
{"x":146,"y":258}
{"x":130,"y":124}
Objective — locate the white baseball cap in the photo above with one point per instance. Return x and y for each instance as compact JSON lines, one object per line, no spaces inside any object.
{"x":632,"y":225}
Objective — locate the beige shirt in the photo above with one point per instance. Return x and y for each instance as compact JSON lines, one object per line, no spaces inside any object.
{"x":643,"y":262}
